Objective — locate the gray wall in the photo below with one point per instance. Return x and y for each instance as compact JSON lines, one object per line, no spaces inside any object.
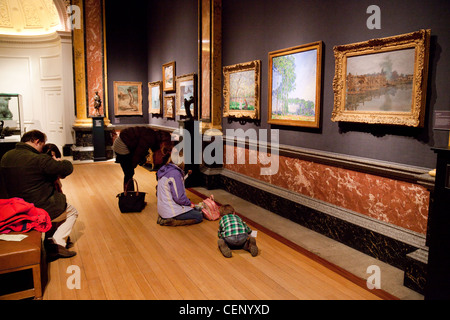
{"x":146,"y":34}
{"x":253,"y":28}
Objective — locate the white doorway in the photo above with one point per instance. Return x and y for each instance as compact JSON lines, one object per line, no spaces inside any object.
{"x":53,"y":103}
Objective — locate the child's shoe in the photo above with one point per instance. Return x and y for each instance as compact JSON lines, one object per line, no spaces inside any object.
{"x":251,"y":246}
{"x":223,"y":247}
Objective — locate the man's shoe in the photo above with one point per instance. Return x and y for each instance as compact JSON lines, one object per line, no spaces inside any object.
{"x":62,"y":252}
{"x":223,"y":247}
{"x":69,"y":244}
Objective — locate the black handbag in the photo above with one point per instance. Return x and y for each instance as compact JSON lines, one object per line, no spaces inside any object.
{"x":131,"y":201}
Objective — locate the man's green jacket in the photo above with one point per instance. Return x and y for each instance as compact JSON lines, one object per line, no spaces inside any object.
{"x":31,"y":175}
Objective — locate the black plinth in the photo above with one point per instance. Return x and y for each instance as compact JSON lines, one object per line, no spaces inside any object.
{"x":438,"y":275}
{"x":98,"y":138}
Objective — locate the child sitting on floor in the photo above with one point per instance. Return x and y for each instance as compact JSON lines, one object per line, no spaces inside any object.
{"x":234,"y":233}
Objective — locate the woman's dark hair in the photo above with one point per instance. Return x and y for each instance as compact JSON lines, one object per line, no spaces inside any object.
{"x":49,"y":147}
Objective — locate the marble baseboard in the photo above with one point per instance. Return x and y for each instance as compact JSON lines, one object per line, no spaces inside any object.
{"x":416,"y":270}
{"x":388,"y":243}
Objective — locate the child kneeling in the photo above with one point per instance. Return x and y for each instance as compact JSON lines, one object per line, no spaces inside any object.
{"x":234,"y":233}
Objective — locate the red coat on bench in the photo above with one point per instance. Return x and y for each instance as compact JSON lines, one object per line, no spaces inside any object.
{"x":18,"y":215}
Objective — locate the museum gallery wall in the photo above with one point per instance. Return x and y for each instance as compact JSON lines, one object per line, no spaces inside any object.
{"x":377,"y":171}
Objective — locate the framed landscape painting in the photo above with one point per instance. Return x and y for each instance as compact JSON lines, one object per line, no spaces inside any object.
{"x":382,"y":81}
{"x":155,"y":97}
{"x":241,"y":90}
{"x":127,"y":98}
{"x":186,"y":95}
{"x":168,"y":76}
{"x":295,"y":77}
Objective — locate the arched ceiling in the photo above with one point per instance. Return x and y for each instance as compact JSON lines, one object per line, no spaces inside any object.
{"x":29,"y":17}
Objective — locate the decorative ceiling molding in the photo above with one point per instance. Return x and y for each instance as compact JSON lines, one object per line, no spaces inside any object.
{"x":32,"y":17}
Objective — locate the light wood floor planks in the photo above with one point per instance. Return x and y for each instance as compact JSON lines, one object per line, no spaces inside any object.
{"x":129,"y":256}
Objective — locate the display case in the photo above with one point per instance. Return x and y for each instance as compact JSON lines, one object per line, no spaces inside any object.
{"x":11,"y":117}
{"x":11,"y":121}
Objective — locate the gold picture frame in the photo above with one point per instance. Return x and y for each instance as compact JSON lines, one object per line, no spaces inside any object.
{"x":169,"y":106}
{"x":186,"y":89}
{"x":382,"y":81}
{"x":127,"y":98}
{"x":295,"y":84}
{"x":241,"y":90}
{"x":168,"y":76}
{"x":155,"y":102}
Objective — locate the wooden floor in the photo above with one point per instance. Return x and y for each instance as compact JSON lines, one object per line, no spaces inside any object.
{"x":129,"y":256}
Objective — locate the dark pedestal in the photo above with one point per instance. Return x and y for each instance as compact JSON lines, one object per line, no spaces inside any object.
{"x":83,"y":149}
{"x":98,"y":138}
{"x":438,"y":275}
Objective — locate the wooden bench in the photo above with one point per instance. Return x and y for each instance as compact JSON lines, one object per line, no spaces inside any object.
{"x":22,"y":255}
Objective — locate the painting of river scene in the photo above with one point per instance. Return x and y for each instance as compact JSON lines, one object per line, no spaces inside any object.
{"x":380,"y":81}
{"x":295,"y":86}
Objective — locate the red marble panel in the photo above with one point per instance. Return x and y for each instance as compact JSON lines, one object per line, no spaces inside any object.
{"x":400,"y":203}
{"x":94,"y":52}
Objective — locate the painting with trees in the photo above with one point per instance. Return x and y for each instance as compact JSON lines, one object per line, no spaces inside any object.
{"x":242,"y":90}
{"x":294,"y":85}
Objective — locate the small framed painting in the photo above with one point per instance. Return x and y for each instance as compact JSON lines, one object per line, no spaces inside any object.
{"x":186,"y":95}
{"x":127,"y":98}
{"x":241,"y":90}
{"x":155,"y":97}
{"x":169,"y":106}
{"x":168,"y":76}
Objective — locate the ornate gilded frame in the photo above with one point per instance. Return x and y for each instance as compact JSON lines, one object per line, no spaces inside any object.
{"x":347,"y":85}
{"x":168,"y":76}
{"x":233,"y":75}
{"x":155,"y":109}
{"x":169,"y":106}
{"x":127,"y":98}
{"x":182,"y":82}
{"x":307,"y":75}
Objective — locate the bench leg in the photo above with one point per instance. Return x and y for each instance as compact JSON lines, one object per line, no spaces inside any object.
{"x":37,"y":282}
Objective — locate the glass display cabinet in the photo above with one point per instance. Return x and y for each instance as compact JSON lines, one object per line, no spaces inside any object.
{"x":11,"y":121}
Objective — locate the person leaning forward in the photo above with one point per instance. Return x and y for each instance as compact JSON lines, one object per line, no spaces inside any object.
{"x":29,"y":174}
{"x":132,"y":149}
